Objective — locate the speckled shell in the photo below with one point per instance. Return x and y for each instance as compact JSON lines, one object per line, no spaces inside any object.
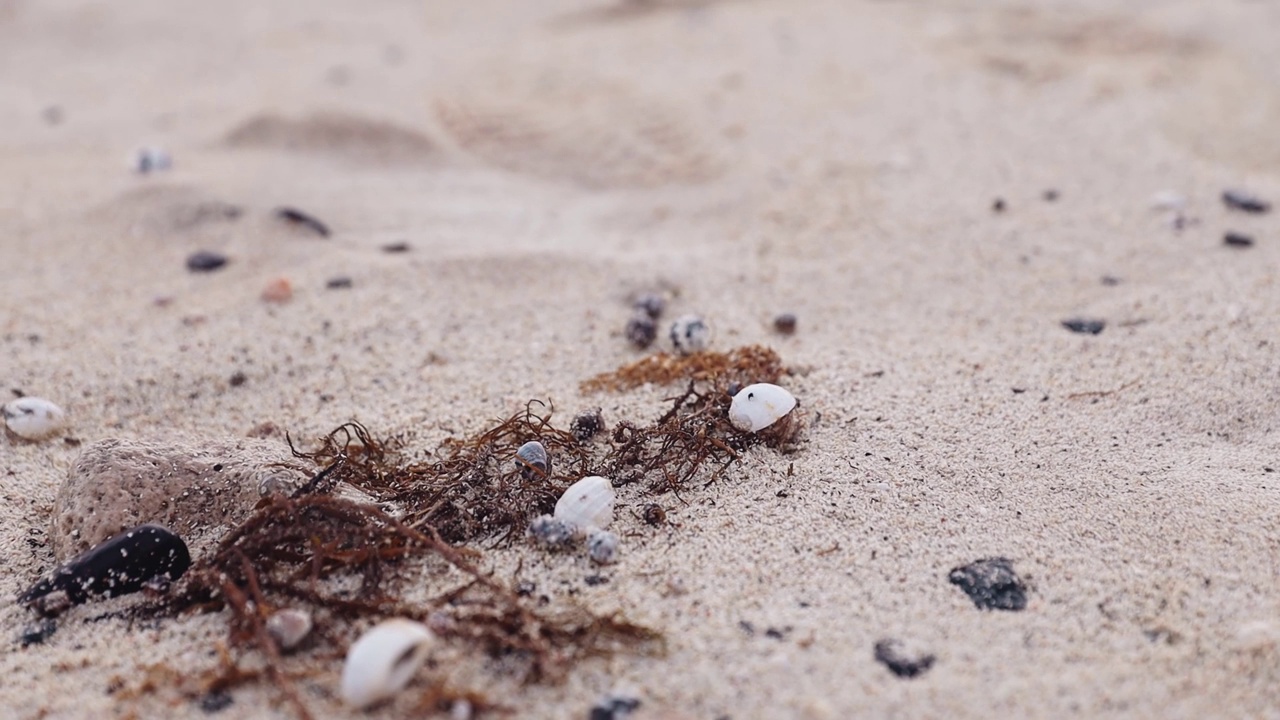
{"x":33,"y":418}
{"x":690,"y":334}
{"x":758,"y":406}
{"x":587,"y":504}
{"x":602,"y":547}
{"x":383,"y":661}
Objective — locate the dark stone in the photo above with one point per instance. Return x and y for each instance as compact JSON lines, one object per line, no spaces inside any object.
{"x":594,"y":580}
{"x":1245,"y":202}
{"x":991,"y":584}
{"x":587,"y":425}
{"x":37,"y":633}
{"x":785,"y":324}
{"x":340,"y":282}
{"x":654,"y":514}
{"x":1110,"y":280}
{"x":396,"y":247}
{"x":614,"y":707}
{"x":1235,"y":239}
{"x":891,"y":653}
{"x":237,"y":378}
{"x":1050,"y":195}
{"x":1084,"y":325}
{"x":118,"y":566}
{"x":216,"y":701}
{"x":641,"y":331}
{"x":650,"y":304}
{"x":746,"y":627}
{"x":205,"y":261}
{"x":303,"y":220}
{"x":525,"y":588}
{"x":998,"y":205}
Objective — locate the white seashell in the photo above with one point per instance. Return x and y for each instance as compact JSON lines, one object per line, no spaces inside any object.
{"x":690,"y":334}
{"x":383,"y":661}
{"x":602,"y":547}
{"x":33,"y":418}
{"x":758,"y":406}
{"x":587,"y":504}
{"x":289,"y":627}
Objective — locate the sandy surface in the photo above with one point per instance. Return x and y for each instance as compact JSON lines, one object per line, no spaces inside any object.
{"x":835,"y":159}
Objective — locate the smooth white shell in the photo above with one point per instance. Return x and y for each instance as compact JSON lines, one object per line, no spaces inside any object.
{"x":33,"y":418}
{"x":383,"y":661}
{"x":289,"y":627}
{"x":587,"y":504}
{"x":758,"y":406}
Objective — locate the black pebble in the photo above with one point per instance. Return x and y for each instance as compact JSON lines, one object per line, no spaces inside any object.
{"x":1050,"y":195}
{"x":1110,"y":280}
{"x":1235,"y":239}
{"x":890,"y":652}
{"x":991,"y":584}
{"x":1241,"y":200}
{"x":785,"y":324}
{"x":614,"y":708}
{"x":998,"y":205}
{"x":37,"y":633}
{"x":237,"y":378}
{"x":594,"y":580}
{"x":1084,"y":325}
{"x":650,"y":304}
{"x":341,"y":282}
{"x":641,"y":331}
{"x":396,"y":247}
{"x":216,"y":701}
{"x":205,"y":261}
{"x":302,"y":219}
{"x":587,"y":425}
{"x":118,"y":566}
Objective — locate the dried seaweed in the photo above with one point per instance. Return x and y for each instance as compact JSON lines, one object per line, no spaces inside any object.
{"x":744,"y":365}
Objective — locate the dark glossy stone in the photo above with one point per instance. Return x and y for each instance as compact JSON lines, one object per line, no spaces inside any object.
{"x":121,"y":565}
{"x":1245,"y":202}
{"x":641,"y":331}
{"x":205,"y":261}
{"x":894,"y":656}
{"x":614,"y":707}
{"x":991,"y":584}
{"x":587,"y":425}
{"x":1236,"y":239}
{"x":1085,"y":325}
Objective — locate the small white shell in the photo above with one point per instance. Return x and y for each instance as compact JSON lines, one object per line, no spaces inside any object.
{"x":602,"y":547}
{"x":33,"y":418}
{"x":690,"y":334}
{"x":289,"y":627}
{"x":383,"y":661}
{"x":587,"y":504}
{"x":758,"y":406}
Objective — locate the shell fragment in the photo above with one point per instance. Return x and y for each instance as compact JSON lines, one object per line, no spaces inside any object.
{"x":758,"y":406}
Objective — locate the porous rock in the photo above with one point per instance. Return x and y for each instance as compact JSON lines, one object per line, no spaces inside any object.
{"x":199,"y":489}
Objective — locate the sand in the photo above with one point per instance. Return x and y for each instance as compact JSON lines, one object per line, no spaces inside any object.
{"x":838,"y":160}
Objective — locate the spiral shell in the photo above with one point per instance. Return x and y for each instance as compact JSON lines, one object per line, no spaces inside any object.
{"x":383,"y":661}
{"x":532,"y":460}
{"x":587,"y":504}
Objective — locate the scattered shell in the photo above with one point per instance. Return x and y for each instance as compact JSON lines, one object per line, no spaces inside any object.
{"x":689,"y":334}
{"x":150,"y":159}
{"x":587,"y":504}
{"x":289,"y":626}
{"x":614,"y":707}
{"x":33,"y":418}
{"x":756,"y":407}
{"x":550,"y":532}
{"x":587,"y":425}
{"x":122,"y":565}
{"x":532,"y":461}
{"x":383,"y":661}
{"x":602,"y":547}
{"x":1244,"y":201}
{"x":654,"y":514}
{"x":785,"y":324}
{"x":641,"y":331}
{"x":279,"y":290}
{"x":651,"y":304}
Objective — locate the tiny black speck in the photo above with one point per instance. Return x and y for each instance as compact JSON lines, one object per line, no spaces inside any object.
{"x":1084,"y":325}
{"x":341,"y":282}
{"x":205,"y":261}
{"x":594,"y":580}
{"x":889,"y":652}
{"x":1244,"y":201}
{"x":1235,"y":239}
{"x":216,"y":701}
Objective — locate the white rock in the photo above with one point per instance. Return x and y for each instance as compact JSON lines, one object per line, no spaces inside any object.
{"x":758,"y":406}
{"x":289,"y":627}
{"x":602,"y":547}
{"x":33,"y":418}
{"x":383,"y":661}
{"x":690,"y":334}
{"x":587,"y":504}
